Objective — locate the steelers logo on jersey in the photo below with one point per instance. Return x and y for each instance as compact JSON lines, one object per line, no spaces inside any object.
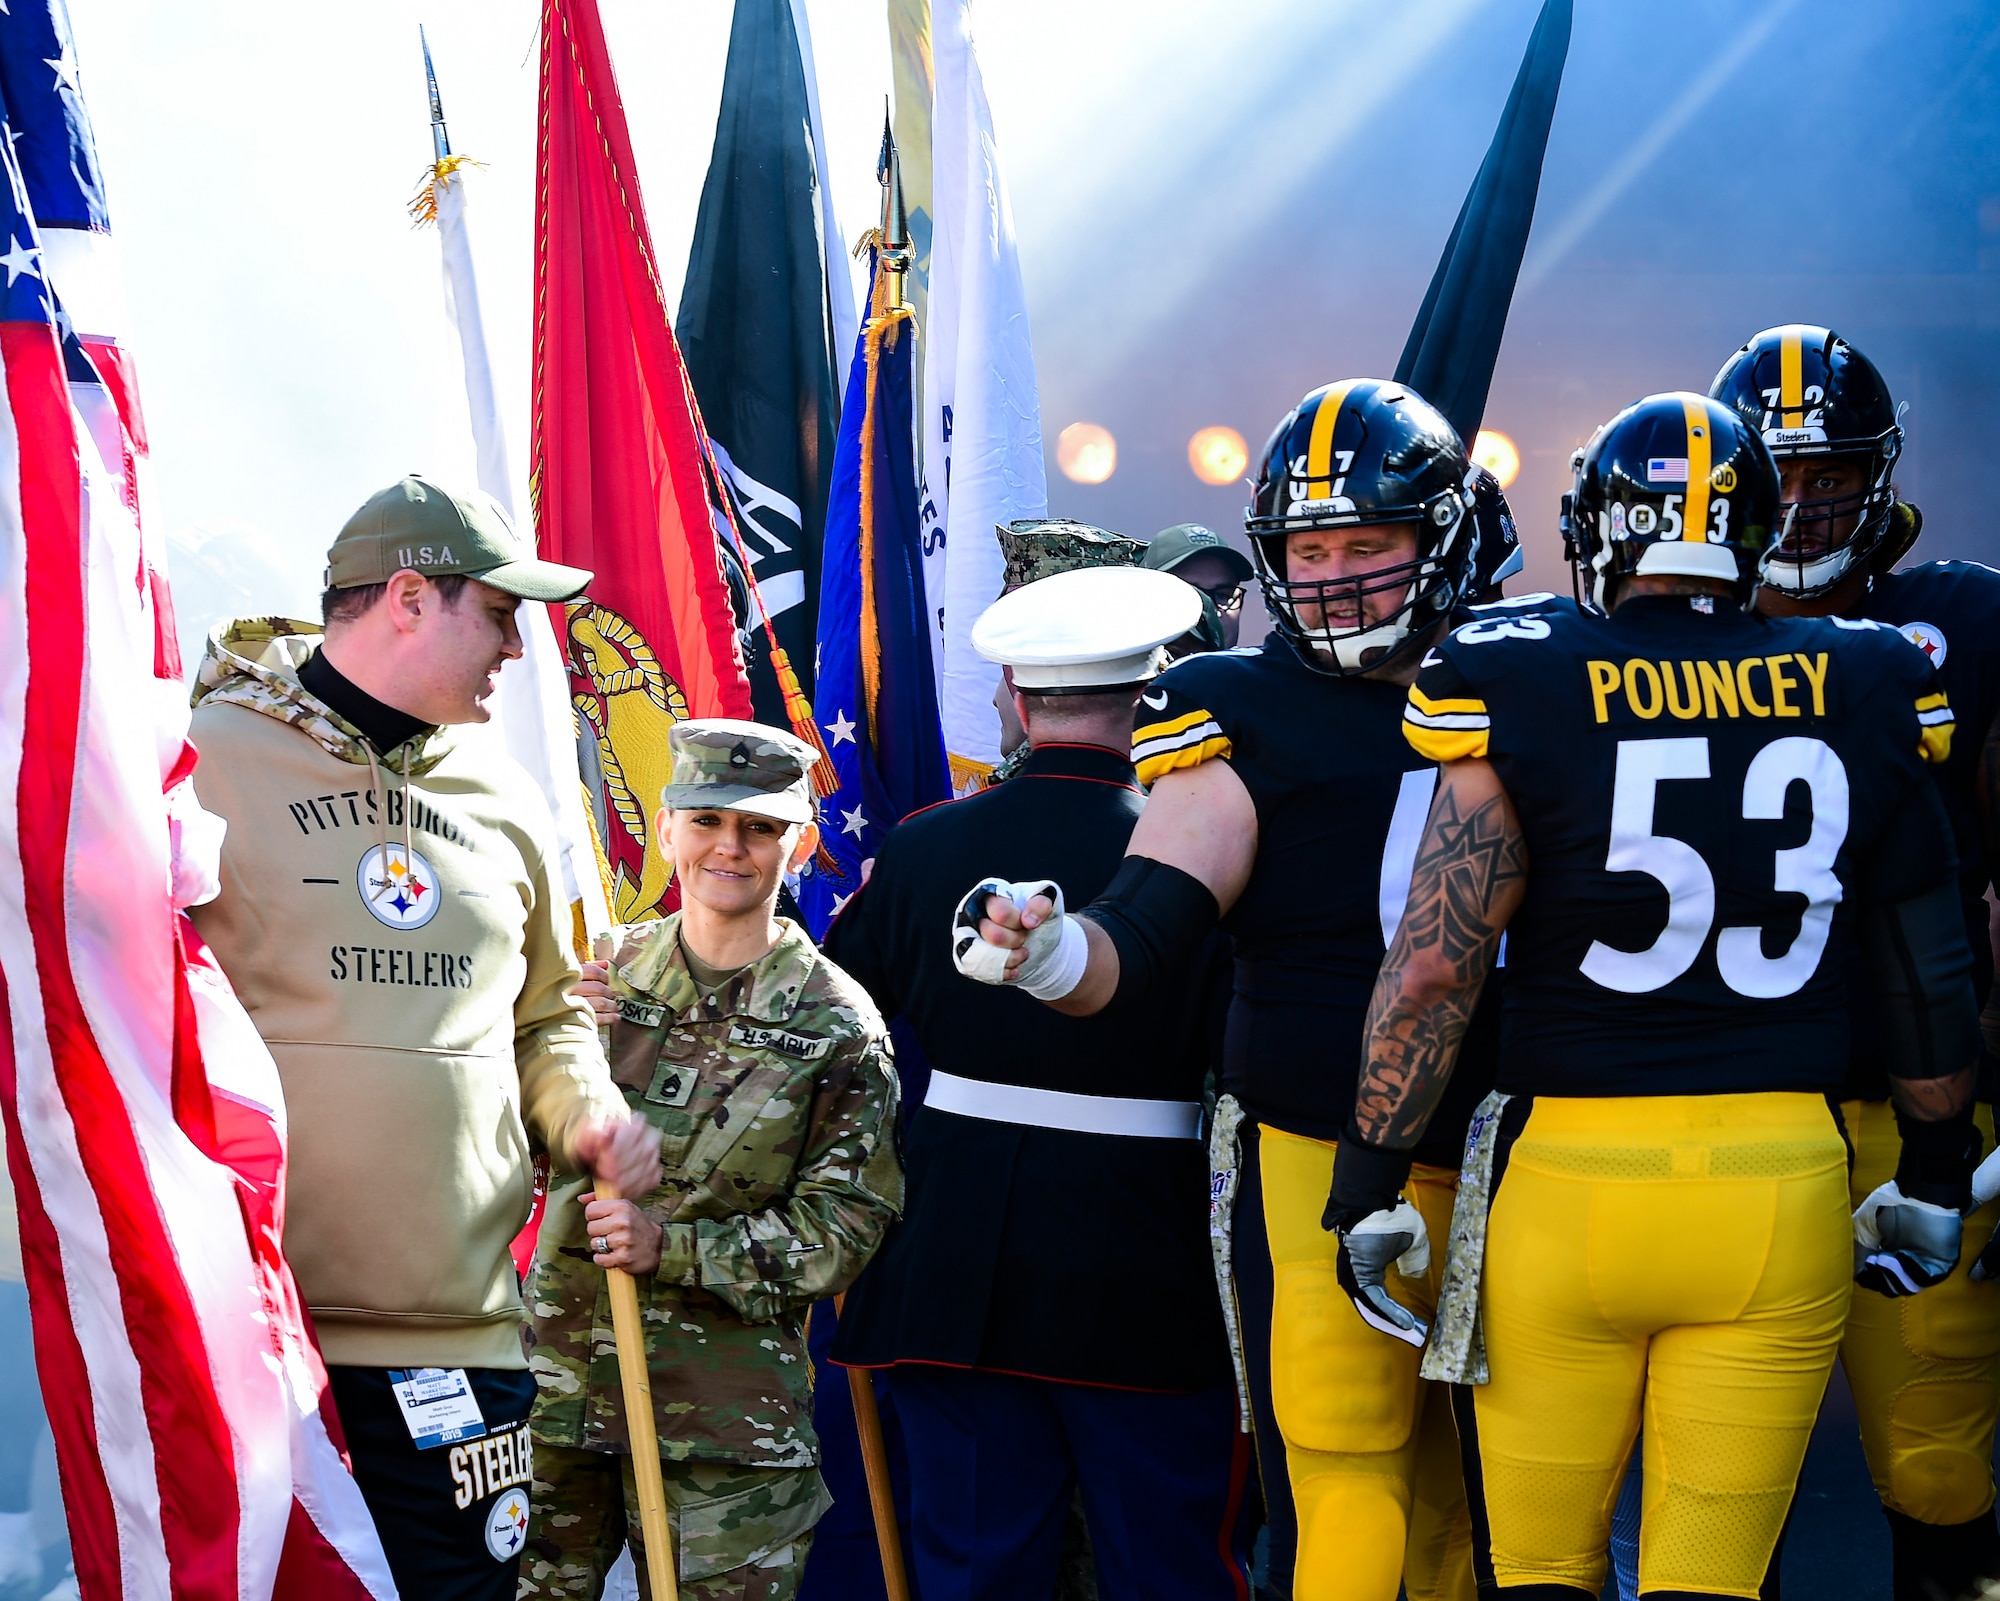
{"x":1927,"y":639}
{"x":397,"y":886}
{"x":507,"y":1525}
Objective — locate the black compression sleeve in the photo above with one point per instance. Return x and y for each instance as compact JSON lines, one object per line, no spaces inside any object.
{"x":1157,"y":916}
{"x":1930,"y":1029}
{"x":1923,"y":975}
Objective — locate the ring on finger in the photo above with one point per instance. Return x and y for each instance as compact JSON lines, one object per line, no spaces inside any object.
{"x":600,"y":1245}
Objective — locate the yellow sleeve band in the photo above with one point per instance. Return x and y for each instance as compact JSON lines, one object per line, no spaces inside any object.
{"x":1447,"y":744}
{"x":1153,"y":768}
{"x":1934,"y":725}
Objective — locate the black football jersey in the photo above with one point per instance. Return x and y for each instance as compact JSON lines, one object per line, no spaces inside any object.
{"x":1950,"y":610}
{"x":1706,"y":796}
{"x":1341,"y":800}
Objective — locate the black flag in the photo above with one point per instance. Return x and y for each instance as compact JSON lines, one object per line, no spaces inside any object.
{"x":757,"y":330}
{"x":1449,"y":359}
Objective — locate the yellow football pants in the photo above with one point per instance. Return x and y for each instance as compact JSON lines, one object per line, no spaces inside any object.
{"x":1688,"y":1255}
{"x":1925,"y":1369}
{"x":1369,"y":1447}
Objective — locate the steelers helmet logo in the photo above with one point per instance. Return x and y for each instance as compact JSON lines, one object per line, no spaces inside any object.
{"x":397,"y":886}
{"x":507,"y":1525}
{"x":1927,"y":639}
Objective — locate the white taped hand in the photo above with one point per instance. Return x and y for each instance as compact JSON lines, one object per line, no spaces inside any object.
{"x":1056,"y":951}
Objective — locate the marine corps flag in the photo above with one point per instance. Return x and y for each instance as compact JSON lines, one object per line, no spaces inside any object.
{"x":616,"y":463}
{"x":767,"y":326}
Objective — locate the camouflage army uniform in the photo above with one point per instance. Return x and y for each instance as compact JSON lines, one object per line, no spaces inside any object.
{"x":776,"y":1105}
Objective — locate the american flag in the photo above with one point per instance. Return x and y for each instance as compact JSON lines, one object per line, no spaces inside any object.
{"x":144,"y":1122}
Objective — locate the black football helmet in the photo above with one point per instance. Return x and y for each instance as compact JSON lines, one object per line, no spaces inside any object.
{"x":1496,"y":542}
{"x":1808,"y":392}
{"x":1352,"y":453}
{"x":1675,"y":484}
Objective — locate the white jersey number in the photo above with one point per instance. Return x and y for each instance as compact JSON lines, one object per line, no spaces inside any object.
{"x":1643,"y":765}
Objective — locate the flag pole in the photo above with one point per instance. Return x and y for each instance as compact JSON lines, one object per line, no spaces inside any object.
{"x":630,"y":1336}
{"x":892,"y":263}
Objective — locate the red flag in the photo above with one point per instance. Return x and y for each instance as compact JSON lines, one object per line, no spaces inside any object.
{"x":616,"y":459}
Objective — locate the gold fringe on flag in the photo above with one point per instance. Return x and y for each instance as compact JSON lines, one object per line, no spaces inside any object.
{"x":423,"y":206}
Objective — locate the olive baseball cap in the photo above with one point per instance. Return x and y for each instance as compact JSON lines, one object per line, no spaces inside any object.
{"x":1174,"y":545}
{"x":726,"y":765}
{"x":428,"y":529}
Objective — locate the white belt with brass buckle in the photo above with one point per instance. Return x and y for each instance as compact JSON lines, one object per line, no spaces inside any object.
{"x":1080,"y":1114}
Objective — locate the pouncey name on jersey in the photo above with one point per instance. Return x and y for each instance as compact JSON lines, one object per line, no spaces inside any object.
{"x":1705,"y":797}
{"x":1341,"y":801}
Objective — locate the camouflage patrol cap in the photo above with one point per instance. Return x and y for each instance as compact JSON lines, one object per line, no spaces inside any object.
{"x":1041,"y":547}
{"x":723,"y":764}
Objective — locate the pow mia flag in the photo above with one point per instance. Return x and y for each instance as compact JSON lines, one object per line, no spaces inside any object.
{"x":761,"y":320}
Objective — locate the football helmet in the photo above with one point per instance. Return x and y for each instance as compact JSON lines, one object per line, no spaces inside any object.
{"x":1353,"y":453}
{"x":1496,"y":542}
{"x":1675,"y":484}
{"x":1808,"y":392}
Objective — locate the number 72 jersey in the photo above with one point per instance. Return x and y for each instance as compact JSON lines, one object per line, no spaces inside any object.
{"x":1707,"y":796}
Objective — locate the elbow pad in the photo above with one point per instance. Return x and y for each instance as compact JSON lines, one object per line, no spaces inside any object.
{"x":1922,"y":965}
{"x":1156,"y":916}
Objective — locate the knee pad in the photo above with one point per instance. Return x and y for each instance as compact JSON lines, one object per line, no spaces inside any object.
{"x":1352,"y":1530}
{"x":1336,"y":1384}
{"x":1940,"y":1472}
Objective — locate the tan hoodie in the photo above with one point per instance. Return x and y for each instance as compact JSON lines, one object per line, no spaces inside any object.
{"x":391,"y":926}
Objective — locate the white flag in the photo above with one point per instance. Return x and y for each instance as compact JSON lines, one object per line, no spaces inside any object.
{"x":982,"y":417}
{"x":531,"y":708}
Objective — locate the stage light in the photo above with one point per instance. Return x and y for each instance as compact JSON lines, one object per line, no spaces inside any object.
{"x":1086,"y":453}
{"x":1495,"y":452}
{"x":1218,"y":455}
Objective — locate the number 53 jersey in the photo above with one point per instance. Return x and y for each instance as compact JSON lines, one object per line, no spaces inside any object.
{"x":1706,"y":797}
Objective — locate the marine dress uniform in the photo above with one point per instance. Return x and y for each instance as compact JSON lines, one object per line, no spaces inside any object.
{"x":1047,"y":1304}
{"x":776,"y":1103}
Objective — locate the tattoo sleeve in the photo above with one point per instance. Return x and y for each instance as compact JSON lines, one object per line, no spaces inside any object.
{"x":1469,"y":876}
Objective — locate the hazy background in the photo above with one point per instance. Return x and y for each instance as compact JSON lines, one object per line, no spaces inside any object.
{"x":1219,"y":205}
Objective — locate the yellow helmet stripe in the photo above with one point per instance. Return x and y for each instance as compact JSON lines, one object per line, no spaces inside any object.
{"x":1791,"y":379}
{"x":1694,"y":519}
{"x":1319,"y":451}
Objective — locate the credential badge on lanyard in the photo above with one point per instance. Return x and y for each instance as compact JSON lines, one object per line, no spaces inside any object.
{"x":438,"y":1405}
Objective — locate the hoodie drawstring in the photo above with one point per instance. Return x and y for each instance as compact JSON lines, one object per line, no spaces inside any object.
{"x":382,"y":816}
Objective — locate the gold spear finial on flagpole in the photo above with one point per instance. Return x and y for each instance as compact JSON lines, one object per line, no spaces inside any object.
{"x":897,"y":255}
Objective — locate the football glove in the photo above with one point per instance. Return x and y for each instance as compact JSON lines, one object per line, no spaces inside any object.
{"x":1378,"y":1230}
{"x":1057,"y":952}
{"x":1986,"y":1185}
{"x":1901,"y":1245}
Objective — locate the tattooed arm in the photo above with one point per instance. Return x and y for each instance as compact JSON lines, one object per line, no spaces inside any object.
{"x":1470,"y":873}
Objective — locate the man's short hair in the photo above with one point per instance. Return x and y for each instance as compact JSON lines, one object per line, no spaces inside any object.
{"x":344,"y":605}
{"x":1053,"y":712}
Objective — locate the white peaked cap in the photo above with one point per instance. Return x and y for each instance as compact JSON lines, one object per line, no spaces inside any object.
{"x":1091,"y":628}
